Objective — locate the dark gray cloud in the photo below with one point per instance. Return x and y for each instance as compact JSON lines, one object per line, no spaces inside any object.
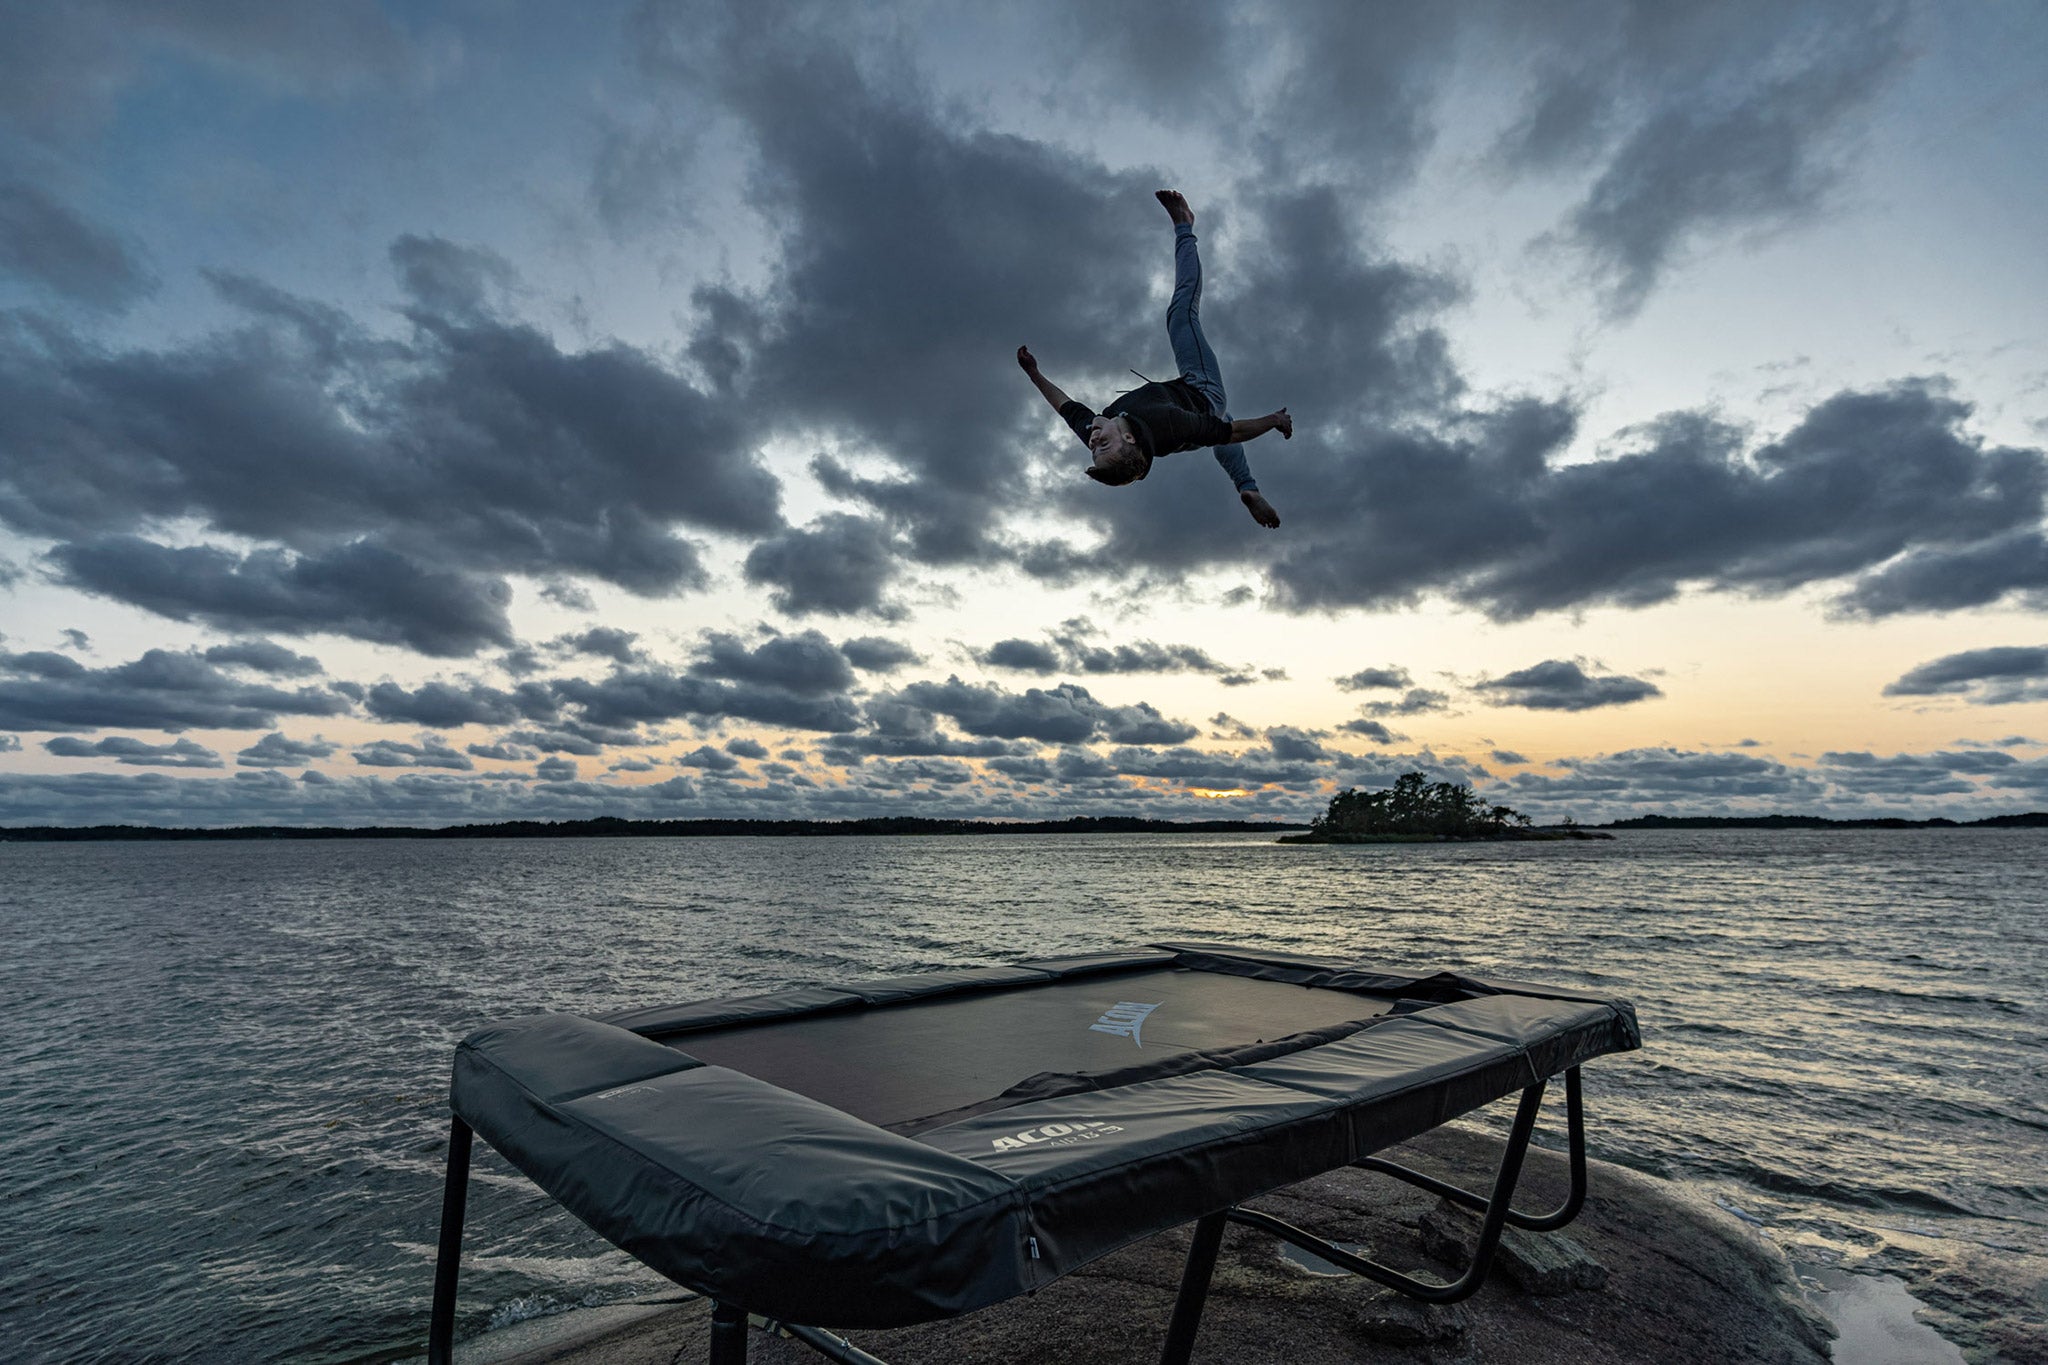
{"x":1292,"y":759}
{"x":807,"y":664}
{"x":274,"y":750}
{"x":900,"y":727}
{"x":1141,"y":656}
{"x":839,"y":565}
{"x":548,"y":742}
{"x":1142,"y":723}
{"x":1307,"y":90}
{"x":1694,"y":122}
{"x":1074,"y":647}
{"x":1067,"y":714}
{"x":1416,"y":701}
{"x":472,"y":446}
{"x":746,"y":748}
{"x":1940,"y":773}
{"x":264,"y":656}
{"x":1373,"y":730}
{"x":429,"y":753}
{"x":360,"y":589}
{"x":608,"y":642}
{"x":443,"y":706}
{"x":42,"y":663}
{"x":1023,"y":656}
{"x":906,"y":774}
{"x":1562,"y":685}
{"x":1481,"y":514}
{"x":1292,"y":745}
{"x":77,"y":639}
{"x":555,"y":770}
{"x":1366,"y":679}
{"x":632,"y":697}
{"x":501,"y":752}
{"x":162,"y":690}
{"x":1676,"y":125}
{"x":1998,"y":676}
{"x":1634,"y":780}
{"x":45,"y":241}
{"x":183,"y":753}
{"x":1944,"y":578}
{"x":709,"y":759}
{"x":876,"y":654}
{"x":1507,"y":756}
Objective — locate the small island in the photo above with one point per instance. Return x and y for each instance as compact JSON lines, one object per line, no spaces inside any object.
{"x":1416,"y":810}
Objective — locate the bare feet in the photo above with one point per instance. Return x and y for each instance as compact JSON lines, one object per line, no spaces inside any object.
{"x":1176,"y":205}
{"x":1261,"y":510}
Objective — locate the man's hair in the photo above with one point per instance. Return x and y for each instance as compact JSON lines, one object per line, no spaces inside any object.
{"x":1128,"y":466}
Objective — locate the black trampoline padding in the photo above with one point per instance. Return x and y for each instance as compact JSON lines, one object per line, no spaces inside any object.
{"x":896,"y":1151}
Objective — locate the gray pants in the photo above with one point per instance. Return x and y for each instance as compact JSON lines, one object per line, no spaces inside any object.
{"x":1191,"y":349}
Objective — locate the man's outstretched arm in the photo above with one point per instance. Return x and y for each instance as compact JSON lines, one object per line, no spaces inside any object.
{"x":1251,"y":428}
{"x":1053,"y":393}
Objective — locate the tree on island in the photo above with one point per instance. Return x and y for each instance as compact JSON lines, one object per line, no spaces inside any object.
{"x":1416,"y":806}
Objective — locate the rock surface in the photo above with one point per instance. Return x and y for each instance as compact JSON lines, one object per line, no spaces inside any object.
{"x":1544,"y":1264}
{"x":1683,"y":1281}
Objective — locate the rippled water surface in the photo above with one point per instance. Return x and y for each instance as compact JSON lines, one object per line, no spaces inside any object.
{"x":226,"y":1062}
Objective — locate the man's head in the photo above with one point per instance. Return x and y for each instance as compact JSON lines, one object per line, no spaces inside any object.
{"x":1118,"y":459}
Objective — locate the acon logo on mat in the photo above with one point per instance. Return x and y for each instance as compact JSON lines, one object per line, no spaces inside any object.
{"x":1124,"y":1019}
{"x":1055,"y":1135}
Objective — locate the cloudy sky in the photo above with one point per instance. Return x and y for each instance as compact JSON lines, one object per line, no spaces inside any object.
{"x":418,"y":413}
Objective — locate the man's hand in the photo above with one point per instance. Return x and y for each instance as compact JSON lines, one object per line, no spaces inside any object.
{"x":1251,"y":428}
{"x":1052,"y":393}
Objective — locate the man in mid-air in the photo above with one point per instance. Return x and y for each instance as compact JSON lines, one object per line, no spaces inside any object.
{"x":1181,"y":414}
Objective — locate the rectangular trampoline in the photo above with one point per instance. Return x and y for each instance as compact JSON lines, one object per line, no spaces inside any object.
{"x":893,"y":1152}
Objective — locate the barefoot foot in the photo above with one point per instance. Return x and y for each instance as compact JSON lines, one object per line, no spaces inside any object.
{"x":1176,"y":205}
{"x":1261,"y":510}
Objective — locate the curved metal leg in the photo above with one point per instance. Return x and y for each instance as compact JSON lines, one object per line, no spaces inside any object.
{"x":1489,"y":1230}
{"x":448,"y":1262}
{"x":1194,"y":1290}
{"x":1575,"y":1127}
{"x":829,"y":1345}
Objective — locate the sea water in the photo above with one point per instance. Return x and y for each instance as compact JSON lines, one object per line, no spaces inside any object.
{"x":225,"y":1064}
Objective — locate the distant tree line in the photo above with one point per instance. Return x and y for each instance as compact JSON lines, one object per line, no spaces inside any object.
{"x":614,"y":827}
{"x":2029,"y":820}
{"x":1416,"y":806}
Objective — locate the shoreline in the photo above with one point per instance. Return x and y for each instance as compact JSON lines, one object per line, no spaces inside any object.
{"x":1683,"y":1280}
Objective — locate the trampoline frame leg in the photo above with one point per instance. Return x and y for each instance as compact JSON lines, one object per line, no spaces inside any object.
{"x":1575,"y":1127}
{"x":828,"y":1345}
{"x":1430,"y":1291}
{"x":448,"y":1261}
{"x":728,"y":1334}
{"x":1194,"y":1289}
